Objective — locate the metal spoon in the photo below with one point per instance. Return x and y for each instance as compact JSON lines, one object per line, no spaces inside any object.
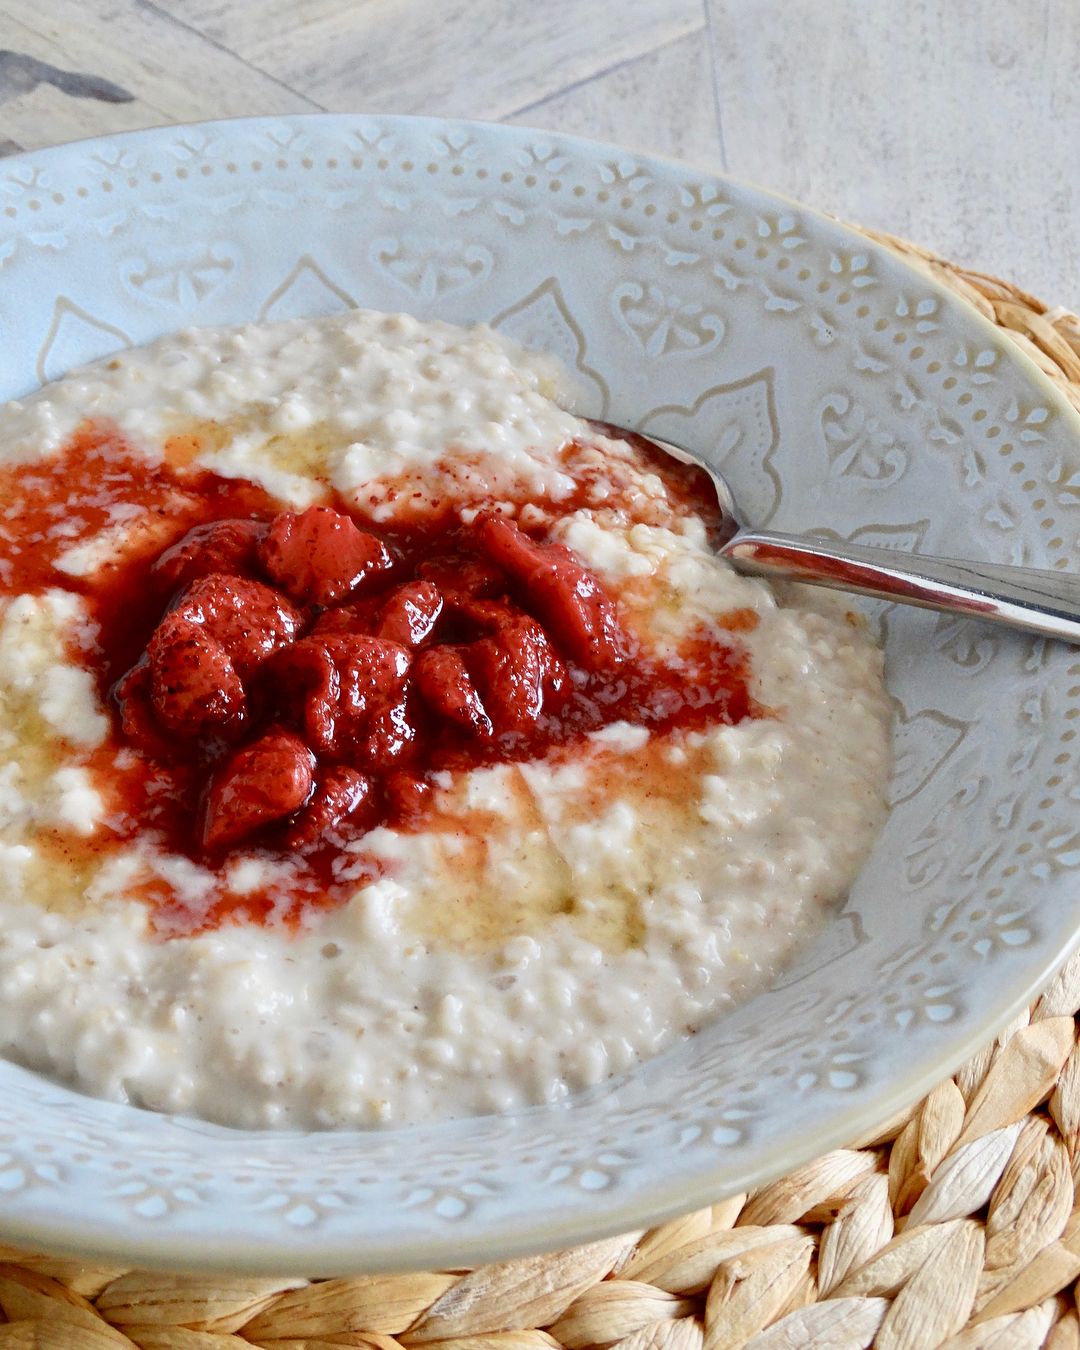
{"x":1022,"y":597}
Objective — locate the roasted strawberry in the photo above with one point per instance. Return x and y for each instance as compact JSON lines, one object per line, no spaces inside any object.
{"x":562,"y":592}
{"x":341,"y":795}
{"x":220,"y":546}
{"x":407,"y":615}
{"x":131,"y":694}
{"x":490,"y":616}
{"x":392,"y":732}
{"x":372,"y":675}
{"x":250,"y":620}
{"x":361,"y":618}
{"x":517,"y":672}
{"x":194,"y":686}
{"x":460,"y":577}
{"x":410,"y":613}
{"x":443,"y":679}
{"x":264,"y":782}
{"x":406,"y":797}
{"x":337,"y":684}
{"x":321,"y":557}
{"x":305,"y":689}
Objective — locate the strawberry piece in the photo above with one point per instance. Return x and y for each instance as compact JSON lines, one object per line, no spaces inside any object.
{"x":372,"y":677}
{"x":264,"y":782}
{"x":308,"y":689}
{"x":194,"y":687}
{"x":516,"y":671}
{"x":341,"y":795}
{"x":220,"y":546}
{"x":446,"y":685}
{"x":343,"y":683}
{"x":460,"y":578}
{"x":131,"y":694}
{"x":562,"y":592}
{"x":410,"y":613}
{"x":491,"y":616}
{"x":406,"y":797}
{"x":360,"y":618}
{"x":250,"y":620}
{"x":320,"y":557}
{"x":407,"y":616}
{"x":393,"y":734}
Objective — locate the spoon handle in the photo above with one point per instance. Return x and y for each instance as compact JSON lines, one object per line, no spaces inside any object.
{"x":1022,"y":597}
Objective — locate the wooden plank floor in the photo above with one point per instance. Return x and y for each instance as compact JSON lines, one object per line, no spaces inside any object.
{"x":955,"y":122}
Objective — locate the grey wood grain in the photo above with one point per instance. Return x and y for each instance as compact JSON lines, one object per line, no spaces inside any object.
{"x":457,"y":58}
{"x":170,"y":73}
{"x":955,"y":124}
{"x":661,"y":102}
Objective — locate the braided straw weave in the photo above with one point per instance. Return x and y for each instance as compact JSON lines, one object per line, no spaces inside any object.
{"x":957,"y":1224}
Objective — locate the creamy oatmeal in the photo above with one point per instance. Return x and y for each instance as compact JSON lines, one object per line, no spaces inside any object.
{"x":381,"y":743}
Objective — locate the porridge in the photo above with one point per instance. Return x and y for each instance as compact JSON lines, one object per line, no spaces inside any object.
{"x":381,"y":743}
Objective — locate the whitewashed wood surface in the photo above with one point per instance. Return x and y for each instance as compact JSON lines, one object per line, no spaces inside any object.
{"x":953,"y":122}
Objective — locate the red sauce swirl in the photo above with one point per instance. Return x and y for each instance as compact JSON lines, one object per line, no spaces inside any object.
{"x":288,"y":681}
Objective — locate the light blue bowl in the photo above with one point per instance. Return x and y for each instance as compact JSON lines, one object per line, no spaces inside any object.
{"x":852,"y":395}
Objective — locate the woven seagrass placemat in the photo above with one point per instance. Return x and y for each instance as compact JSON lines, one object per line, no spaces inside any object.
{"x":957,"y":1224}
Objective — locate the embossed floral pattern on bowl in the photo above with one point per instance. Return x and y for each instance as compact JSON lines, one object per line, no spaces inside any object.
{"x":844,"y":393}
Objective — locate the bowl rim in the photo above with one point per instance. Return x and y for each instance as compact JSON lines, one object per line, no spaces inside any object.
{"x":660,"y":1200}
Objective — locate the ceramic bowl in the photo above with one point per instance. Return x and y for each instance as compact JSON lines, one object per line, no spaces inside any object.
{"x":842,"y":392}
